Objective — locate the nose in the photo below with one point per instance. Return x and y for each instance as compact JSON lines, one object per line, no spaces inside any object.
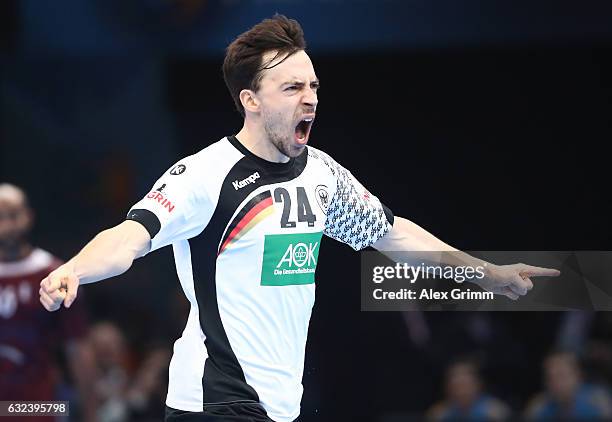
{"x":310,"y":98}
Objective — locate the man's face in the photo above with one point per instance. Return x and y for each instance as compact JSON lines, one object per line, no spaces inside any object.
{"x":288,"y":101}
{"x":15,"y":222}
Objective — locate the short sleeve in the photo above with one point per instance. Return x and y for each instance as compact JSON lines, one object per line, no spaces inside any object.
{"x":355,"y":216}
{"x":176,"y":208}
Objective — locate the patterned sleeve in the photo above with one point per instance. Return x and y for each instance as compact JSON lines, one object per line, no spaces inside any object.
{"x":355,"y":216}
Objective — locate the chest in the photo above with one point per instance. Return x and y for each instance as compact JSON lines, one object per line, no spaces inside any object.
{"x":277,"y":228}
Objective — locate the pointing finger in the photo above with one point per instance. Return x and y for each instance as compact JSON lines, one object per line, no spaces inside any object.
{"x":530,"y":270}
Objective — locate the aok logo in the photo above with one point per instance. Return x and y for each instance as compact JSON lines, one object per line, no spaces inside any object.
{"x":290,"y":259}
{"x":299,"y":255}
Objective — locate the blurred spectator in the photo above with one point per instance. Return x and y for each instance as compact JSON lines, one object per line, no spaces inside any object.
{"x":29,"y":369}
{"x":567,"y":396}
{"x":124,"y":394}
{"x":465,"y":398}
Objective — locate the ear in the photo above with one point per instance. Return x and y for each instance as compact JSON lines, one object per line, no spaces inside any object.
{"x":249,"y":101}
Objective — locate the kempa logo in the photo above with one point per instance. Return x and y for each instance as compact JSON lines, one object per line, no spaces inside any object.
{"x":298,"y":255}
{"x":239,"y":184}
{"x":178,"y":169}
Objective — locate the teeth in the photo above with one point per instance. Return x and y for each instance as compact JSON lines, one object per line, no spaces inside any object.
{"x":308,"y":120}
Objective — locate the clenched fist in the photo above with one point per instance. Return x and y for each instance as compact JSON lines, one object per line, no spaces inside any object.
{"x":59,"y":286}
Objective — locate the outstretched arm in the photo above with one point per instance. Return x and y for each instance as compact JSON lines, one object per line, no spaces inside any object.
{"x":406,"y":238}
{"x":108,"y":254}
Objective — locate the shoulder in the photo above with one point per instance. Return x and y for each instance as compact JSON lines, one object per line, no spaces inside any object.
{"x":39,"y":260}
{"x":318,"y":157}
{"x":211,"y":158}
{"x":317,"y":154}
{"x":206,"y":168}
{"x":45,"y":259}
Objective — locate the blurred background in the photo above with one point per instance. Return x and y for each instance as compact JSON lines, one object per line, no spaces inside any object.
{"x":487,"y":123}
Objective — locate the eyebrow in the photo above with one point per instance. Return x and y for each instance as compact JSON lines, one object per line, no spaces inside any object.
{"x":297,"y":81}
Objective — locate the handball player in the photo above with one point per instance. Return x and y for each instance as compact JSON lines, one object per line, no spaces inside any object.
{"x":245,"y":217}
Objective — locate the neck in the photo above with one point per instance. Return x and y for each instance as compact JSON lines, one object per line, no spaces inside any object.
{"x":254,"y":138}
{"x":15,"y":253}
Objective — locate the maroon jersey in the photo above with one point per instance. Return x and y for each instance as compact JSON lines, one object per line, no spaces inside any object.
{"x":30,"y":336}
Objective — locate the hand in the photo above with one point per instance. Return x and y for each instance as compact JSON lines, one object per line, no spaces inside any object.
{"x":59,"y":286}
{"x":512,"y":280}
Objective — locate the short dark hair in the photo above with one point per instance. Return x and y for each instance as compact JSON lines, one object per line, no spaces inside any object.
{"x":243,"y":67}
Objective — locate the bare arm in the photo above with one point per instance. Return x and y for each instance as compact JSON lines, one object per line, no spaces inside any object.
{"x":406,"y":238}
{"x":108,"y":254}
{"x":111,"y":252}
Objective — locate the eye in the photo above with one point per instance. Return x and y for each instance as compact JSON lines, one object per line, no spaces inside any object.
{"x":291,"y":88}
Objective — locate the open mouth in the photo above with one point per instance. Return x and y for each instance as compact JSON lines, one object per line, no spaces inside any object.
{"x":302,"y":130}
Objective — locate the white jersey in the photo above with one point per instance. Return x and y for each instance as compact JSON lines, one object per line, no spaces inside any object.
{"x":246,"y":235}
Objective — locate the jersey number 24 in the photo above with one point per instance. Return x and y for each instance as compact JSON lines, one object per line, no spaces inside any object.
{"x":304,"y":211}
